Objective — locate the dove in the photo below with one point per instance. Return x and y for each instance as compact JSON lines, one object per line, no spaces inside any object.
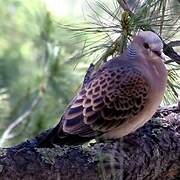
{"x":118,"y":98}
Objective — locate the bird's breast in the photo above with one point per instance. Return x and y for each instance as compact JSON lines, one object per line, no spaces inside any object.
{"x":157,"y":79}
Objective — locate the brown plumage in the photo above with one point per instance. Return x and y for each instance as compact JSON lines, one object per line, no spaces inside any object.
{"x":117,"y":99}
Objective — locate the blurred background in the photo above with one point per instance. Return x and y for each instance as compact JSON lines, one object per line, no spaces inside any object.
{"x":43,"y":61}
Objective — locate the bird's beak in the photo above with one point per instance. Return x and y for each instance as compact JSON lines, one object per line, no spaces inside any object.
{"x":162,"y":56}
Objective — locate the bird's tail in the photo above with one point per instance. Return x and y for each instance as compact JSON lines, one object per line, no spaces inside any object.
{"x":57,"y":136}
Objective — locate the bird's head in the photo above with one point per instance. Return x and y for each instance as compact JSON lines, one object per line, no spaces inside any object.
{"x":149,"y":44}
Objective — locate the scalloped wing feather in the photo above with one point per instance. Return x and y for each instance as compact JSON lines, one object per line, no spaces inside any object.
{"x":113,"y":96}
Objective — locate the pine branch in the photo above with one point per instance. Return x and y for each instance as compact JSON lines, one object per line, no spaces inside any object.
{"x":168,"y":50}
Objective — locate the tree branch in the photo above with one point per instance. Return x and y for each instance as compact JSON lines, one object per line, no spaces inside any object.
{"x":174,"y":43}
{"x":169,"y":51}
{"x":151,"y":153}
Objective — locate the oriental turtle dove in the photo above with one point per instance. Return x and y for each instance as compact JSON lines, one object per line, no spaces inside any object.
{"x":118,"y":98}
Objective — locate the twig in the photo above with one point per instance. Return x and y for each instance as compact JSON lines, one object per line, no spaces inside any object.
{"x":125,"y":6}
{"x":169,"y":51}
{"x":162,"y":17}
{"x":174,"y":43}
{"x":20,"y":119}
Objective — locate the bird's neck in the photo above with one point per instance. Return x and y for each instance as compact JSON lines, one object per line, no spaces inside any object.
{"x":155,"y":70}
{"x":131,"y":52}
{"x":160,"y":71}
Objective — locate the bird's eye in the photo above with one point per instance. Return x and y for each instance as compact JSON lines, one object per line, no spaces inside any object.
{"x":146,"y":45}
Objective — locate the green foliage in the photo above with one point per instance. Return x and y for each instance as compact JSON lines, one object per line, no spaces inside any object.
{"x":34,"y":59}
{"x":4,"y":103}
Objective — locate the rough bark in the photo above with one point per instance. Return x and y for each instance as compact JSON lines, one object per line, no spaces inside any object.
{"x":151,"y":153}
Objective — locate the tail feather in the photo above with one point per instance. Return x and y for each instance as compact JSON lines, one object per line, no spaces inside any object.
{"x":57,"y":137}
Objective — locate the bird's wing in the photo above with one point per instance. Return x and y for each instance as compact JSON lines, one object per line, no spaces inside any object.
{"x":109,"y":99}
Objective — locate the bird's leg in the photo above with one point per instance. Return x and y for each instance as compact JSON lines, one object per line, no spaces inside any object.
{"x":88,"y":74}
